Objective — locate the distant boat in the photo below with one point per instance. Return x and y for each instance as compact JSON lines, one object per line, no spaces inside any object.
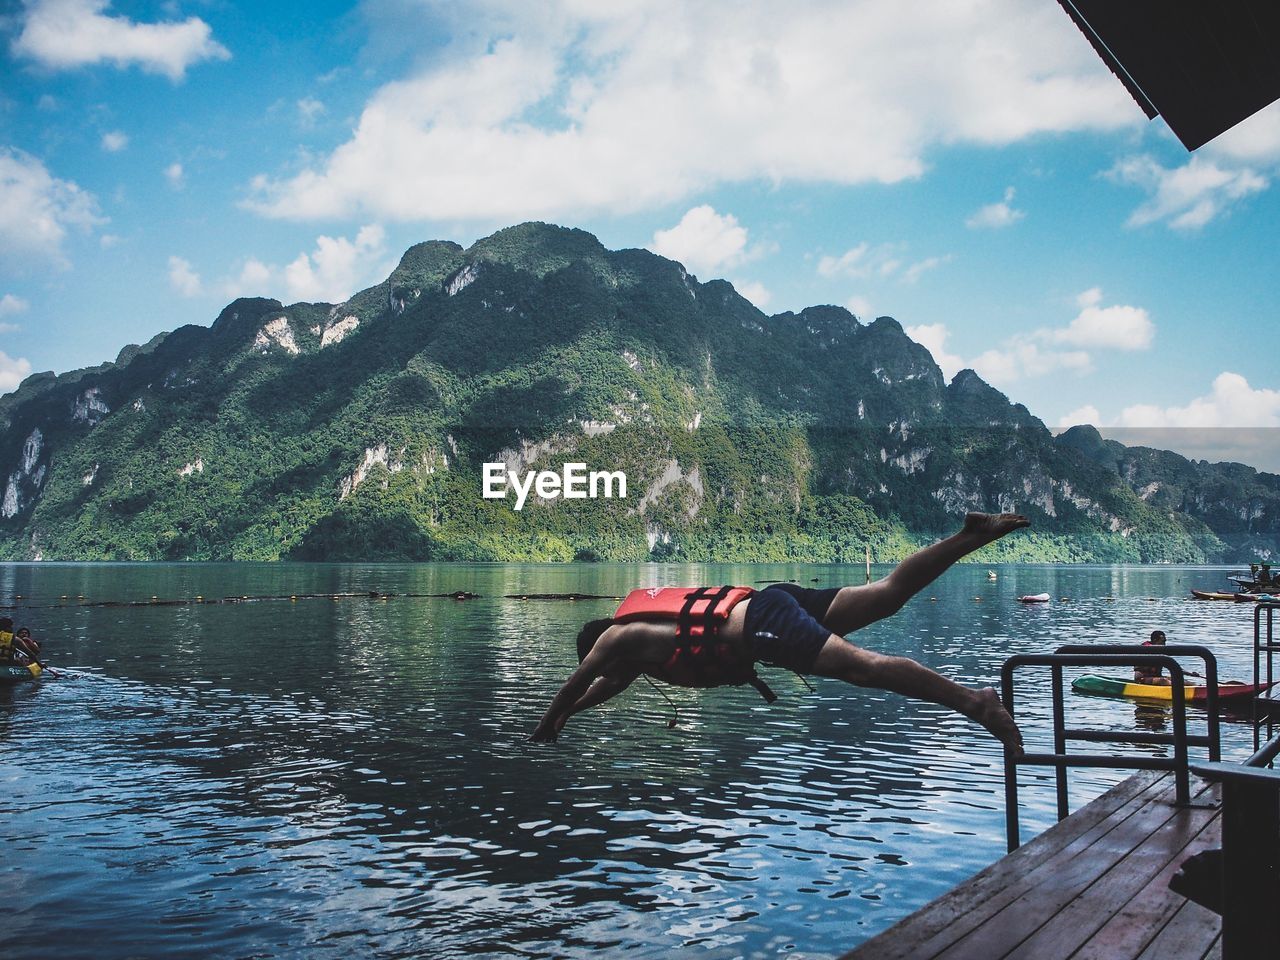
{"x":1213,"y":595}
{"x":1256,"y":580}
{"x":1237,"y":597}
{"x":991,"y":574}
{"x":1034,"y":598}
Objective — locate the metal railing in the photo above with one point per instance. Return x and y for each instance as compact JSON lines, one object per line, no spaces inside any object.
{"x":1080,"y":655}
{"x":1212,"y":736}
{"x":1264,"y":649}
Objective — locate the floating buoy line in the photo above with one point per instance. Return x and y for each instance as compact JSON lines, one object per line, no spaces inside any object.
{"x":67,"y":600}
{"x":24,"y":603}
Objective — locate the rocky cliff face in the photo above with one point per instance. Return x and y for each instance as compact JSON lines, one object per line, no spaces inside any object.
{"x":1240,"y":504}
{"x":360,"y":430}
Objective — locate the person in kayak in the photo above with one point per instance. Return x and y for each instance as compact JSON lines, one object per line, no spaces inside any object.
{"x":25,"y":648}
{"x":6,"y":640}
{"x":783,"y":625}
{"x":1152,"y":675}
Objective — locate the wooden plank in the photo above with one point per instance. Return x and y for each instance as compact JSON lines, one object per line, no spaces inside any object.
{"x":905,"y":938}
{"x":1001,"y":923}
{"x":1131,"y":930}
{"x":931,"y":929}
{"x":1073,"y":925}
{"x":1194,"y":932}
{"x":1050,"y":891}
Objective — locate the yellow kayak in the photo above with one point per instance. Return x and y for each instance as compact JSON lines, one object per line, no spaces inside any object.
{"x":1116,"y":687}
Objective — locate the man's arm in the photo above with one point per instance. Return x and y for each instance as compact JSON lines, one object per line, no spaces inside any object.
{"x":606,"y":687}
{"x":579,"y":692}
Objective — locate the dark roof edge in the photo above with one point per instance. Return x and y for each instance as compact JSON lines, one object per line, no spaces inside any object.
{"x":1110,"y":59}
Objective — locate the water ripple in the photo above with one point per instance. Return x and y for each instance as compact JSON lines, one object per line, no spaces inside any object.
{"x":305,"y":781}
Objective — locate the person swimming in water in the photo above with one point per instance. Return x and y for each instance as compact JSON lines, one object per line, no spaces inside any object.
{"x":713,"y":636}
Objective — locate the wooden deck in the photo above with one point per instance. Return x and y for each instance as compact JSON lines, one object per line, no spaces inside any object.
{"x":1093,"y":887}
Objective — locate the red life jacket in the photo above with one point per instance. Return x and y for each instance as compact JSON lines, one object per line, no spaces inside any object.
{"x":699,"y":658}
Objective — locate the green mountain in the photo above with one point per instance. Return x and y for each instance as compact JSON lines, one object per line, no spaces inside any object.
{"x":361,"y":430}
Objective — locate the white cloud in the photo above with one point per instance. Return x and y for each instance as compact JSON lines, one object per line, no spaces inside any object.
{"x":330,"y":273}
{"x":703,"y":240}
{"x":1086,"y":414}
{"x":861,"y":308}
{"x":933,"y":336}
{"x":11,"y":305}
{"x":12,"y":372}
{"x":37,"y":209}
{"x":308,"y":109}
{"x":997,"y":215}
{"x":113,"y":141}
{"x":333,"y":270}
{"x":255,"y":279}
{"x":756,"y":292}
{"x":1047,"y":350}
{"x":883,"y":261}
{"x":1189,"y":196}
{"x":1117,"y":328}
{"x":565,"y":109}
{"x":175,"y":175}
{"x":912,"y":273}
{"x":65,"y":34}
{"x":1255,"y":140}
{"x":1230,"y":403}
{"x":852,"y":263}
{"x":1022,"y":357}
{"x":183,"y":278}
{"x":1222,"y":174}
{"x":1233,"y":421}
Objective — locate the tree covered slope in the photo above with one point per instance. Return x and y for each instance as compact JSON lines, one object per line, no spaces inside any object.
{"x":360,"y":430}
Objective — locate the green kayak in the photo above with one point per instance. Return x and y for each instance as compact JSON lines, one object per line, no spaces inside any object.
{"x":14,"y":673}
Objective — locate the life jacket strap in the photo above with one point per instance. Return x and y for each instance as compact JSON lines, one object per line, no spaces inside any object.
{"x":697,"y":645}
{"x":695,"y":623}
{"x":691,"y":623}
{"x":762,"y":688}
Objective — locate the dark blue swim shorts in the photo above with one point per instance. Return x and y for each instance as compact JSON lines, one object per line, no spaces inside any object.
{"x":783,"y":625}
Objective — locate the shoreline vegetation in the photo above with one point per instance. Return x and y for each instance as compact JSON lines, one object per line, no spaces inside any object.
{"x":360,"y":432}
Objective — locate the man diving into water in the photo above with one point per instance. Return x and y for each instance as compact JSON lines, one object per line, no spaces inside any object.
{"x":713,"y":637}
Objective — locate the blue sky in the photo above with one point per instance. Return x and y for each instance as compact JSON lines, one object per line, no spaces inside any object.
{"x":970,"y":169}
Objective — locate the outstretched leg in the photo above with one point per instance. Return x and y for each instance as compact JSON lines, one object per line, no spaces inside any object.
{"x":855,"y":607}
{"x":843,"y":660}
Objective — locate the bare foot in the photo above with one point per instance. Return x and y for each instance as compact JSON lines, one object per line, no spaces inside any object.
{"x":992,"y":526}
{"x":991,"y":713}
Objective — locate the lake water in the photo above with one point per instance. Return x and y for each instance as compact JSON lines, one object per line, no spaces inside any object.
{"x":342,"y":778}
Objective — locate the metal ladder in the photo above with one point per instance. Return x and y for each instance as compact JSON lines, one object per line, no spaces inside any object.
{"x":1109,"y":655}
